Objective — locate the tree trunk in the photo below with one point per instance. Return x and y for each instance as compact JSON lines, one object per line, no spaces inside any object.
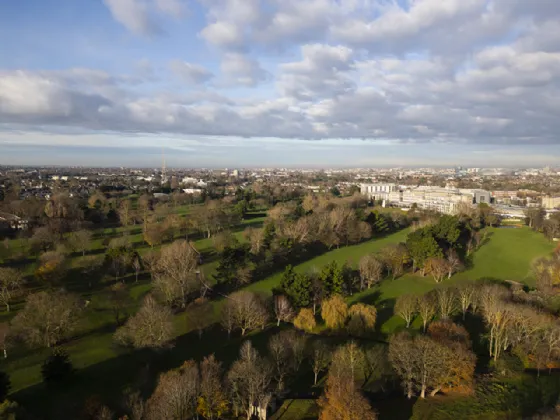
{"x":409,"y":391}
{"x":7,"y":307}
{"x":316,"y":375}
{"x":423,"y":392}
{"x":434,"y":392}
{"x":278,"y":323}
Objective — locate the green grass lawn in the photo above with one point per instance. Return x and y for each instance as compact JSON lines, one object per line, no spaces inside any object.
{"x":349,"y":254}
{"x":297,"y":410}
{"x":507,"y":255}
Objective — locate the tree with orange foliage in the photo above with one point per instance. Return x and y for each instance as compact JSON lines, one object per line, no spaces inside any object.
{"x":305,"y":320}
{"x":342,"y":399}
{"x":362,"y":319}
{"x":334,"y":312}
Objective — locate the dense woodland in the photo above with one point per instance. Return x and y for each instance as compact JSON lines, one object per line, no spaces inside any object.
{"x":308,"y":336}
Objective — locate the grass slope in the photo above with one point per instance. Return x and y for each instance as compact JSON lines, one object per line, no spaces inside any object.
{"x":507,"y":255}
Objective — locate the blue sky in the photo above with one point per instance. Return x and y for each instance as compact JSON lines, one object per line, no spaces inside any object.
{"x":280,"y":82}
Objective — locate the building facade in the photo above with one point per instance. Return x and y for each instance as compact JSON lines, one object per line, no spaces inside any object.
{"x":444,"y":200}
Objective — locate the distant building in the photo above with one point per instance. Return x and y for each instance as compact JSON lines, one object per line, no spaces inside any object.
{"x":549,"y":202}
{"x":11,"y":221}
{"x":444,"y":200}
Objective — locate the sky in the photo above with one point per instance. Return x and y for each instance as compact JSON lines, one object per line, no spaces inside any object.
{"x":291,"y":83}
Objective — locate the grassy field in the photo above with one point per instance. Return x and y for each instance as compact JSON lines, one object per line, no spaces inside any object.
{"x":507,"y":255}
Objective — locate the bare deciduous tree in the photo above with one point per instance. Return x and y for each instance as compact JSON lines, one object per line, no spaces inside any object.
{"x":320,"y":359}
{"x":248,"y":380}
{"x":80,"y":241}
{"x":137,"y":266}
{"x":467,"y":295}
{"x":178,"y":264}
{"x":151,"y":327}
{"x":438,"y":268}
{"x":371,"y":270}
{"x":199,"y":314}
{"x":427,"y":308}
{"x":246,"y":310}
{"x":447,"y":301}
{"x":282,"y":309}
{"x":47,"y":318}
{"x":11,"y":282}
{"x":406,"y":307}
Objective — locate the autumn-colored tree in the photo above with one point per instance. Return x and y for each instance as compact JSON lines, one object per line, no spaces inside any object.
{"x":151,"y":327}
{"x":344,"y":401}
{"x":305,"y":320}
{"x":406,"y":306}
{"x":153,"y":234}
{"x":334,"y":312}
{"x":11,"y":282}
{"x":176,"y":394}
{"x":47,"y":318}
{"x":212,"y":403}
{"x":362,"y":319}
{"x":52,"y":267}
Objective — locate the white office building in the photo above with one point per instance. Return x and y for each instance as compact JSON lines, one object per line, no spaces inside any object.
{"x":443,"y":200}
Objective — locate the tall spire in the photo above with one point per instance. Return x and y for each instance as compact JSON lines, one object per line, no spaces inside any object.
{"x":163,"y":168}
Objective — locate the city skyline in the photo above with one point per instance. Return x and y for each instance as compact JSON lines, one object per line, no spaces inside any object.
{"x":253,"y":83}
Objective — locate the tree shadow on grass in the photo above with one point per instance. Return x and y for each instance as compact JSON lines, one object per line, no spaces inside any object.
{"x":137,"y":369}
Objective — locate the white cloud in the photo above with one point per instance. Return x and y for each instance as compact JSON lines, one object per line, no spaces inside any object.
{"x":138,"y":16}
{"x":190,"y":72}
{"x":457,"y":71}
{"x":239,"y":69}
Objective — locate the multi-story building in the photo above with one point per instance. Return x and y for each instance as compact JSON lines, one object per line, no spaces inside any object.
{"x":549,"y":202}
{"x":378,"y":191}
{"x":444,"y":200}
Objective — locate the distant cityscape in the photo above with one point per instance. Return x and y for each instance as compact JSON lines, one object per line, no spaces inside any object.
{"x":509,"y":191}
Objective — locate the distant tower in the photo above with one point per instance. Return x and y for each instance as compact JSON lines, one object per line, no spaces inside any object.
{"x":163,"y":169}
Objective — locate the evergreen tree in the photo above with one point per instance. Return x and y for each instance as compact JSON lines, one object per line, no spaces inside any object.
{"x":332,"y":277}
